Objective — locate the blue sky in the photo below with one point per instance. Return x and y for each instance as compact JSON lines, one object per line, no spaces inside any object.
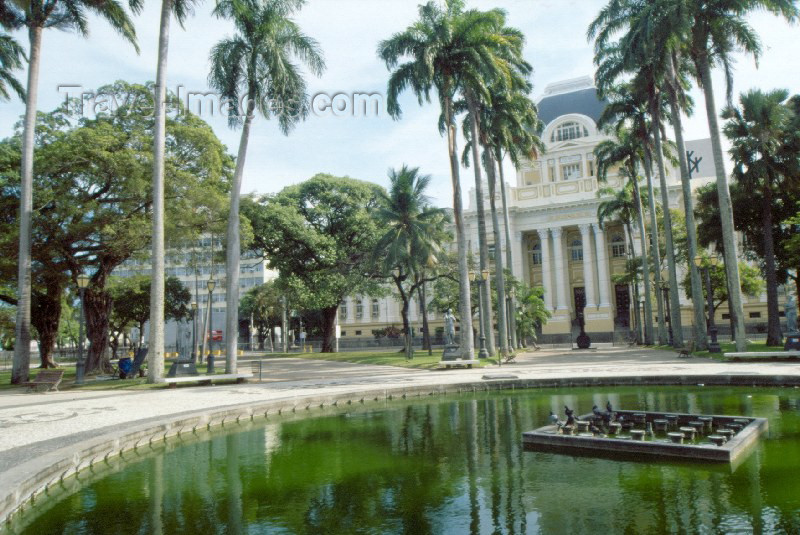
{"x":348,"y":31}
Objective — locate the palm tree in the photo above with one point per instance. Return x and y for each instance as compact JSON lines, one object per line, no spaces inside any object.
{"x":11,"y":58}
{"x":439,"y":49}
{"x":621,"y":205}
{"x":758,"y":132}
{"x":413,"y":239}
{"x":624,"y":150}
{"x":180,"y":9}
{"x":36,"y":16}
{"x":714,"y":30}
{"x":260,"y":66}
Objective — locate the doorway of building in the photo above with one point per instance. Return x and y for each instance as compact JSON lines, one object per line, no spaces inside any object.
{"x":623,"y":295}
{"x":579,"y":296}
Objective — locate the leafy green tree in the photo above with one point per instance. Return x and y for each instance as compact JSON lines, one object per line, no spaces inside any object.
{"x":751,"y":282}
{"x":531,"y":312}
{"x":35,"y":17}
{"x":765,"y":162}
{"x":93,"y":203}
{"x":7,"y":327}
{"x":261,"y":65}
{"x":130,"y":297}
{"x":413,"y":240}
{"x":11,"y":59}
{"x":263,"y":304}
{"x":320,"y":236}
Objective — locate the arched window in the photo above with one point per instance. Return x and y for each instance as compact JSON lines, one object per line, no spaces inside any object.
{"x":618,"y":246}
{"x":568,"y":130}
{"x":376,"y":309}
{"x":360,"y":309}
{"x":576,"y":250}
{"x":536,"y":254}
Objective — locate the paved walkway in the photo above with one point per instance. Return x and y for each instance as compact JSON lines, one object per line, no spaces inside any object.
{"x":34,"y":424}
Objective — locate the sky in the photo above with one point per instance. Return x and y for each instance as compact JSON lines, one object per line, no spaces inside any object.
{"x":348,"y":31}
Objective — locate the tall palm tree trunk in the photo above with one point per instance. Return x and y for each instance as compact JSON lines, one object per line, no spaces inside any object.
{"x":233,"y":251}
{"x":663,"y":338}
{"x":648,"y":305}
{"x":21,"y":365}
{"x":483,"y":247}
{"x":675,"y":305}
{"x":155,"y":354}
{"x":502,"y":326}
{"x":725,"y":208}
{"x":465,"y":305}
{"x":426,"y":335}
{"x":774,"y":337}
{"x":637,"y":318}
{"x":698,"y":304}
{"x":512,"y":320}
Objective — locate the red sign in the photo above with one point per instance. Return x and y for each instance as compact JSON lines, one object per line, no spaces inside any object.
{"x":216,"y":336}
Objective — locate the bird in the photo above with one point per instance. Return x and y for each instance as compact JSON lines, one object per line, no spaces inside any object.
{"x":597,"y":412}
{"x":553,"y":418}
{"x":594,"y":429}
{"x":608,"y":406}
{"x":570,"y":415}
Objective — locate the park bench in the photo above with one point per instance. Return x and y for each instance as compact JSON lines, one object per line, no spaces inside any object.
{"x":763,"y":355}
{"x":207,"y":379}
{"x":49,"y":378}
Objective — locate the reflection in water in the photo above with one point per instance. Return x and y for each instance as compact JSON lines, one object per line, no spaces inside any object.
{"x":451,"y":466}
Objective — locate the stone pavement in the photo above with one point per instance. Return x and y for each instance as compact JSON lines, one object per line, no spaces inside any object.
{"x":34,"y":425}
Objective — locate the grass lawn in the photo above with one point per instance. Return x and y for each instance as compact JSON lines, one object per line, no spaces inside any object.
{"x":730,"y":347}
{"x":392,"y":357}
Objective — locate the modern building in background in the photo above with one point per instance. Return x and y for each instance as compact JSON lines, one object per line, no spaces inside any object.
{"x":194,"y":264}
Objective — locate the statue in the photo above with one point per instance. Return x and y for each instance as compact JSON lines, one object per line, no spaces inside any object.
{"x":790,"y":309}
{"x":449,"y":328}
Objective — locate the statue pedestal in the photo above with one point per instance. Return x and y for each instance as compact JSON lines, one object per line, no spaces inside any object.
{"x":451,"y":352}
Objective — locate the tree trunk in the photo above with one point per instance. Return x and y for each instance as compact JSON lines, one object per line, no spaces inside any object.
{"x":406,"y":330}
{"x":21,"y":365}
{"x":46,"y":316}
{"x":512,"y":320}
{"x":426,"y":335}
{"x":674,"y":296}
{"x":725,"y":209}
{"x":483,"y":247}
{"x":328,"y":328}
{"x":698,"y":305}
{"x":233,"y":252}
{"x":774,"y":337}
{"x":465,"y":304}
{"x":648,"y":306}
{"x":663,"y":338}
{"x":502,"y":326}
{"x":155,"y":354}
{"x":637,"y":324}
{"x":97,"y":307}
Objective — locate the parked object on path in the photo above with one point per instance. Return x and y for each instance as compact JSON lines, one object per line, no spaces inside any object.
{"x":48,"y":378}
{"x":138,"y":360}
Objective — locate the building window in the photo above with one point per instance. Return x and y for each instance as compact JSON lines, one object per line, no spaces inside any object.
{"x":376,"y":309}
{"x":551,"y":170}
{"x":754,"y":315}
{"x":490,"y":247}
{"x":576,"y":251}
{"x":567,"y":131}
{"x":360,"y":309}
{"x":618,"y":246}
{"x":590,"y":163}
{"x":343,"y":310}
{"x":344,"y":333}
{"x":536,"y":254}
{"x":571,"y":171}
{"x":726,"y":316}
{"x":358,"y":333}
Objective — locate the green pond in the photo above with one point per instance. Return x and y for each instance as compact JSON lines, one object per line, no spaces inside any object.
{"x":440,"y":465}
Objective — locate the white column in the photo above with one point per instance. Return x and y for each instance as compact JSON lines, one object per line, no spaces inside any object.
{"x":603,"y":278}
{"x":351,"y":310}
{"x":547,"y":274}
{"x":588,"y":272}
{"x":516,"y":252}
{"x":560,"y":269}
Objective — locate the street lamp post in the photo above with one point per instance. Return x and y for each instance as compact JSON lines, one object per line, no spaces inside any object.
{"x":80,"y":365}
{"x":193,"y":309}
{"x":667,"y":316}
{"x":713,"y":347}
{"x":211,"y":284}
{"x":512,"y":323}
{"x":483,"y":353}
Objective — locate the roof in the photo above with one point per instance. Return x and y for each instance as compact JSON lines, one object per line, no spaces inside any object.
{"x":583,"y":101}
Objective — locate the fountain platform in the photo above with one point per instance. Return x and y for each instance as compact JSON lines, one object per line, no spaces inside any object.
{"x":701,"y":437}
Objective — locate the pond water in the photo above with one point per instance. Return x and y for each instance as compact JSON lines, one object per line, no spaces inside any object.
{"x":445,"y":465}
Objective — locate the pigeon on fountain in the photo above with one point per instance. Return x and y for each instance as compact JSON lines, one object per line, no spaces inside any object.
{"x":608,"y":406}
{"x":553,"y":418}
{"x":570,"y":415}
{"x":594,"y":429}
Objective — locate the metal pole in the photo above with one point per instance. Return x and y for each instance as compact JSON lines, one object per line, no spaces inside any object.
{"x":713,"y":347}
{"x":483,"y":353}
{"x":210,"y":358}
{"x":80,"y":364}
{"x":194,"y":335}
